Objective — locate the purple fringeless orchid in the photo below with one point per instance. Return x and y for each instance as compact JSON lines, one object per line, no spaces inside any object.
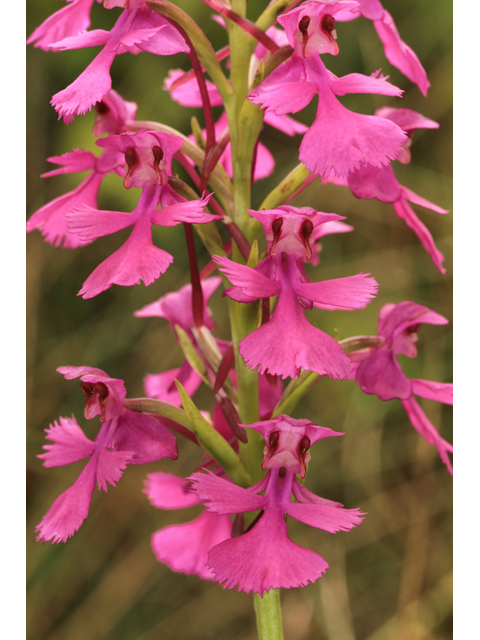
{"x":264,"y":557}
{"x":288,"y":230}
{"x":339,"y":140}
{"x":126,"y":437}
{"x":377,"y":370}
{"x":148,"y":157}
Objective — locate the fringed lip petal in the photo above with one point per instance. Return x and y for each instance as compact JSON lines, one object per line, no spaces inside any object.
{"x":88,"y":89}
{"x":264,"y":558}
{"x":308,"y":347}
{"x":69,"y":510}
{"x":341,"y":141}
{"x":137,"y":259}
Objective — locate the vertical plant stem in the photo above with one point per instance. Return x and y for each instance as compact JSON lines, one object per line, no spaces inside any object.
{"x":245,"y":122}
{"x":269,"y":615}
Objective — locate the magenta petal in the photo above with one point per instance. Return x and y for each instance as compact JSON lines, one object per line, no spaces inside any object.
{"x":407,"y":119}
{"x":176,"y":307}
{"x":302,"y":494}
{"x":341,"y":141}
{"x":71,"y":373}
{"x":375,"y":182}
{"x":405,"y":211}
{"x":70,"y":509}
{"x":88,"y":89}
{"x":137,"y":259}
{"x":165,"y":41}
{"x":326,"y":517}
{"x":359,"y":83}
{"x":250,"y":282}
{"x":187,"y":211}
{"x":184,"y":547}
{"x":73,"y":161}
{"x":352,"y":292}
{"x":422,"y":202}
{"x":308,"y":347}
{"x":381,"y":374}
{"x":51,"y":219}
{"x":166,"y":491}
{"x":224,"y":497}
{"x":284,"y":123}
{"x":162,"y":385}
{"x":264,"y":558}
{"x":110,"y":466}
{"x":439,"y":391}
{"x":285,"y":90}
{"x":396,"y":319}
{"x":146,"y":435}
{"x":72,"y":19}
{"x":426,"y":429}
{"x":188,"y":94}
{"x":94,"y":38}
{"x":89,"y":223}
{"x":70,"y":444}
{"x":400,"y":54}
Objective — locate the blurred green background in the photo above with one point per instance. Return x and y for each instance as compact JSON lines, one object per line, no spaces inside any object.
{"x":389,"y":578}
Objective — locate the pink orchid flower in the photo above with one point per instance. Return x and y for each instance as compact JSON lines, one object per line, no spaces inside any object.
{"x":339,"y":140}
{"x":377,"y":371}
{"x":264,"y":557}
{"x":288,"y":230}
{"x":148,"y":156}
{"x":126,"y":437}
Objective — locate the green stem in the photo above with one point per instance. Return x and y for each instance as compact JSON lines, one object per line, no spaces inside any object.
{"x":268,"y":612}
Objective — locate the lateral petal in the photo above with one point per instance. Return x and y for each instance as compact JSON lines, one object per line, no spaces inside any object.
{"x":351,"y":292}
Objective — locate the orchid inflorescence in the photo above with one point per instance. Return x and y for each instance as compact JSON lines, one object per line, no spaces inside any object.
{"x":277,"y":66}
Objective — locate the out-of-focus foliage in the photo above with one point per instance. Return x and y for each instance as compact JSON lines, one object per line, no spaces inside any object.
{"x":389,"y":578}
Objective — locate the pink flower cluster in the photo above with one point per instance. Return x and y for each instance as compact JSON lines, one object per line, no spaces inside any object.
{"x":341,"y":147}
